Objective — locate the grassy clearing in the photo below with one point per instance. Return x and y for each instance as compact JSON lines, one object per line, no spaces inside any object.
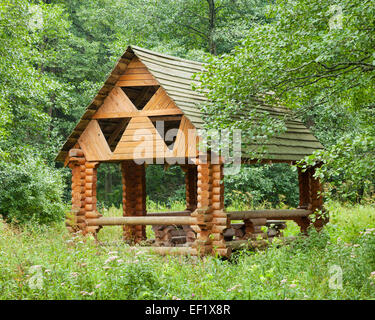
{"x":46,"y":263}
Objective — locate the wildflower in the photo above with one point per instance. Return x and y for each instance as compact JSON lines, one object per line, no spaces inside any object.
{"x":47,"y":271}
{"x":293,"y":285}
{"x":283,"y":281}
{"x":120,"y":261}
{"x":110,"y":259}
{"x":112,"y":252}
{"x":98,"y":285}
{"x":84,"y":293}
{"x":175,"y":298}
{"x":74,"y":274}
{"x":356,"y":245}
{"x":193,"y":295}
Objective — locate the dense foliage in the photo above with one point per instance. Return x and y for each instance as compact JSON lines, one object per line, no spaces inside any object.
{"x":31,"y":191}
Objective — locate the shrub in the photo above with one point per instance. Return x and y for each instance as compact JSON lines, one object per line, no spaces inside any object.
{"x":30,"y":191}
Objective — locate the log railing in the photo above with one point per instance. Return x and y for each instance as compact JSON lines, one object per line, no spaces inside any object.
{"x":184,"y":218}
{"x":145,"y":220}
{"x":169,"y":214}
{"x":269,"y":214}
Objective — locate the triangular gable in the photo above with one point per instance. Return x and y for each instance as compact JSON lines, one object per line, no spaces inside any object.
{"x":159,"y":101}
{"x":116,"y":102}
{"x":186,"y":143}
{"x":93,"y":143}
{"x":141,"y":141}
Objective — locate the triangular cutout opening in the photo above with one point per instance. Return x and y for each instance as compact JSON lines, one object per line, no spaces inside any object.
{"x":167,"y":127}
{"x":113,"y":130}
{"x":139,"y":96}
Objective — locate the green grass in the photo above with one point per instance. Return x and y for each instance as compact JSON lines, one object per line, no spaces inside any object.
{"x":77,"y":268}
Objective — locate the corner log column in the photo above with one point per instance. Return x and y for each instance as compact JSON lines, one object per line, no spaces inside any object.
{"x":211,"y":218}
{"x":310,"y":196}
{"x":84,"y":178}
{"x":91,"y":178}
{"x":133,"y":199}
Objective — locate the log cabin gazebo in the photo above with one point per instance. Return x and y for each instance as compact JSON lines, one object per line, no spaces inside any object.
{"x":147,"y":89}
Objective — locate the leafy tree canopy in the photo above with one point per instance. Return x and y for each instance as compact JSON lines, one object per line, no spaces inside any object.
{"x":316,"y":57}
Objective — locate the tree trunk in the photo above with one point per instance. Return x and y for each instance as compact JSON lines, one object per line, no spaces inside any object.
{"x":212,"y":25}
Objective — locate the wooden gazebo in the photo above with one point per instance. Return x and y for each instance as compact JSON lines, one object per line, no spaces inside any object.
{"x":146,"y":95}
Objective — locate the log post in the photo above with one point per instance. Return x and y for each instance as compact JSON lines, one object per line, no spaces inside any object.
{"x":304,"y":197}
{"x":91,"y":171}
{"x":75,"y":220}
{"x":191,"y":186}
{"x":317,"y":208}
{"x":134,"y":199}
{"x":211,"y":218}
{"x":83,"y":192}
{"x":310,"y":190}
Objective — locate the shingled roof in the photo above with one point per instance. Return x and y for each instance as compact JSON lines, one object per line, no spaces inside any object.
{"x":175,"y":76}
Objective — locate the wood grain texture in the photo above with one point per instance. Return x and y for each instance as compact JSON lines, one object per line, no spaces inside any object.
{"x":186,"y":144}
{"x":93,"y":143}
{"x":141,"y":140}
{"x":116,"y":102}
{"x":142,"y":113}
{"x":160,"y":101}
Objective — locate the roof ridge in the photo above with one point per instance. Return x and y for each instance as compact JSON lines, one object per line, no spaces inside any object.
{"x":167,"y":55}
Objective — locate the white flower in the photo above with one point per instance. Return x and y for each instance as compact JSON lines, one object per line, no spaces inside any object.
{"x":110,"y":259}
